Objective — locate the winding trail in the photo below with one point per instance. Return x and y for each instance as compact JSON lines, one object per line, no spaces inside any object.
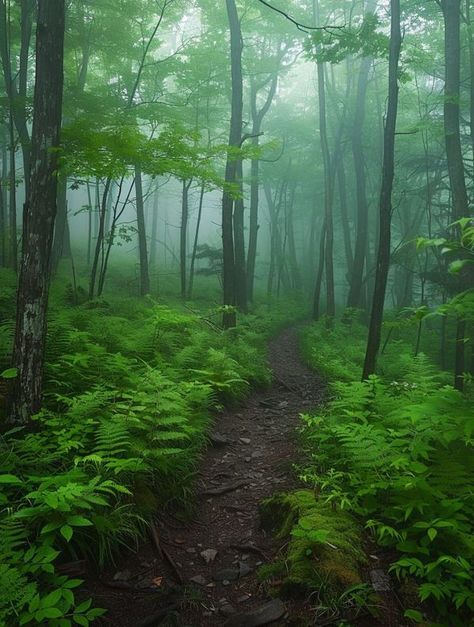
{"x":250,"y":457}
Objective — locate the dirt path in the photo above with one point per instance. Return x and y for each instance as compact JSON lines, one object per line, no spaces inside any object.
{"x":215,"y":557}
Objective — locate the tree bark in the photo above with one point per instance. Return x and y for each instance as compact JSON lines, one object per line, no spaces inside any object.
{"x":460,"y":206}
{"x":355,"y":297}
{"x":142,"y":245}
{"x":39,"y":213}
{"x":385,"y":205}
{"x":235,"y":135}
{"x":183,"y":237}
{"x":195,"y":243}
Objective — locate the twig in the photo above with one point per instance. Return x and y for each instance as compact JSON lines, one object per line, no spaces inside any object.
{"x":173,"y":566}
{"x":224,"y":489}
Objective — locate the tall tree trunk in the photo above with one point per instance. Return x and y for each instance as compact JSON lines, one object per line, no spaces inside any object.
{"x":3,"y":202}
{"x":460,"y":208}
{"x":328,"y":183}
{"x":62,"y":244}
{"x":154,"y":230}
{"x":39,"y":213}
{"x":239,"y":246}
{"x":385,"y":206}
{"x":99,"y":244}
{"x":355,"y":298}
{"x":195,"y":243}
{"x":141,"y":227}
{"x":319,"y":275}
{"x":183,"y":237}
{"x":17,"y":95}
{"x":12,"y":227}
{"x":257,"y":120}
{"x":235,"y":134}
{"x":346,"y":231}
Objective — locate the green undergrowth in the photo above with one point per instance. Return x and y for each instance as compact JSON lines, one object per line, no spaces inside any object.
{"x":397,"y":452}
{"x":131,"y":387}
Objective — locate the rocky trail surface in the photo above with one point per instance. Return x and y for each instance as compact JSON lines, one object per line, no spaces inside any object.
{"x":204,"y":573}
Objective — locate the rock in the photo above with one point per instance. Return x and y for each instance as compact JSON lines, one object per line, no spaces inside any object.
{"x":244,"y":569}
{"x":209,"y":555}
{"x":380,"y":580}
{"x":199,"y":579}
{"x":123,"y":575}
{"x":245,"y":440}
{"x":191,"y":550}
{"x":248,"y":459}
{"x":257,"y":454}
{"x":218,"y":439}
{"x":226,"y":574}
{"x":268,"y":613}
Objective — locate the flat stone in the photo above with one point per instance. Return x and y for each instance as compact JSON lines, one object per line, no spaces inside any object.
{"x":244,"y":569}
{"x":218,"y":440}
{"x":245,"y":440}
{"x":199,"y":579}
{"x":268,"y":613}
{"x":209,"y":555}
{"x":227,"y":609}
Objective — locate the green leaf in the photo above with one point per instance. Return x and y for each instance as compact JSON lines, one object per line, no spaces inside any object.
{"x":414,"y":615}
{"x":79,"y":521}
{"x":432,"y":533}
{"x":81,"y":620}
{"x":66,"y":532}
{"x":48,"y":612}
{"x":10,"y":480}
{"x":51,"y":599}
{"x":10,"y":373}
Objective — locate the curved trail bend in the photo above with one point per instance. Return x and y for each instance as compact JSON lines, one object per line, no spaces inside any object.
{"x":217,"y":554}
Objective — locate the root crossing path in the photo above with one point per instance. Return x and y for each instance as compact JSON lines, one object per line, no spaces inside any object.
{"x":204,"y":573}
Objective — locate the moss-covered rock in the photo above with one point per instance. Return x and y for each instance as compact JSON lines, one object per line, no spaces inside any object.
{"x":325,"y":547}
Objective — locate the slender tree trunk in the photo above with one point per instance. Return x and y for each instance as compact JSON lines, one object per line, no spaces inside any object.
{"x":39,"y":213}
{"x":154,"y":231}
{"x":239,"y":246}
{"x":61,"y":245}
{"x":319,"y":275}
{"x":385,"y":206}
{"x":355,"y":298}
{"x":89,"y":225}
{"x":17,"y":96}
{"x":142,"y":245}
{"x":195,"y":243}
{"x":3,"y":204}
{"x":12,"y":201}
{"x":235,"y":135}
{"x":99,"y":241}
{"x":346,"y":232}
{"x":183,"y":237}
{"x":460,"y":207}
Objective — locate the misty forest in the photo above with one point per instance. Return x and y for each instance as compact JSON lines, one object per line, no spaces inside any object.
{"x":236,"y":313}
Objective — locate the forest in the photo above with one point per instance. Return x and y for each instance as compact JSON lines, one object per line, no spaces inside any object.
{"x":236,"y":313}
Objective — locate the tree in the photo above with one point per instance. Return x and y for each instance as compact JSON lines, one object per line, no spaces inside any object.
{"x":39,"y":212}
{"x":460,"y":205}
{"x":235,"y":135}
{"x":385,"y":203}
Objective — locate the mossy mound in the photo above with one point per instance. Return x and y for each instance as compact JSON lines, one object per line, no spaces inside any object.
{"x":325,"y":549}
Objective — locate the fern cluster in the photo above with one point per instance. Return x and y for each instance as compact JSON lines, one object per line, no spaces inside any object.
{"x":399,"y":453}
{"x":130,"y":390}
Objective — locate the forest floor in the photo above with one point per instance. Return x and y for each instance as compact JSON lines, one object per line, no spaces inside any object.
{"x":203,"y":572}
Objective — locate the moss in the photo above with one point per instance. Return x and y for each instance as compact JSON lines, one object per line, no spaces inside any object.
{"x":325,"y":549}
